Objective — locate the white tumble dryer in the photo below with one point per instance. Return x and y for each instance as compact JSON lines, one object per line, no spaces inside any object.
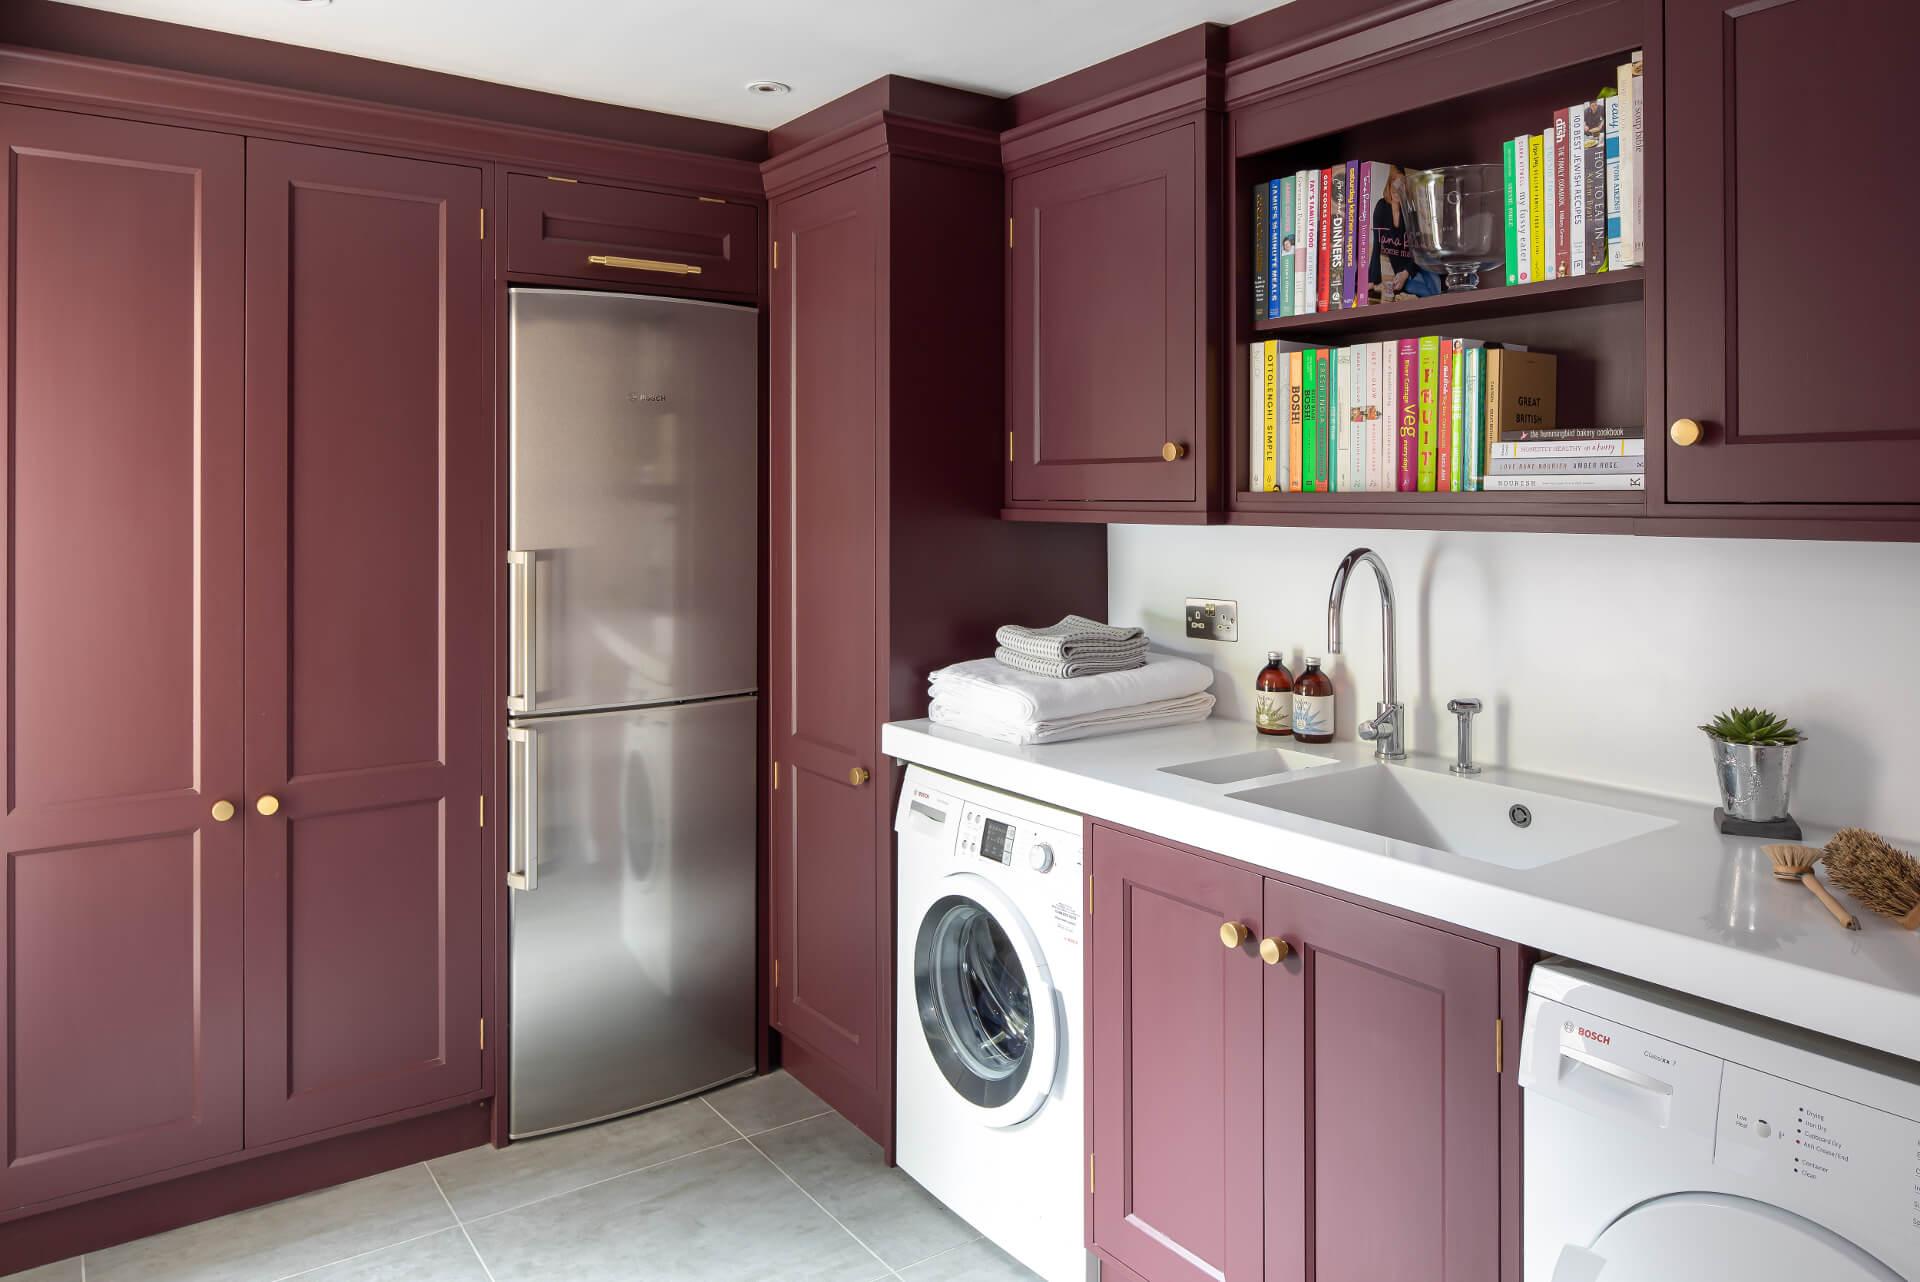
{"x":1671,"y":1140}
{"x":987,"y":1091}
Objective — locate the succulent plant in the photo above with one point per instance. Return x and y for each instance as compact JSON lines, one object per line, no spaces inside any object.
{"x":1752,"y":725}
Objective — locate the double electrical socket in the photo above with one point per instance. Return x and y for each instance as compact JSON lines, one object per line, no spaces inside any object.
{"x":1211,"y":620}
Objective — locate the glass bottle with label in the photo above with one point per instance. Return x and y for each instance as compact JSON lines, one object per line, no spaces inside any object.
{"x":1313,"y":705}
{"x":1273,"y":697}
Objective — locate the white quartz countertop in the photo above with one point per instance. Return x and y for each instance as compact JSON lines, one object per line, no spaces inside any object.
{"x":1683,"y":906}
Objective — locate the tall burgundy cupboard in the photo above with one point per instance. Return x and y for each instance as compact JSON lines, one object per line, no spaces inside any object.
{"x":884,"y":416}
{"x":250,"y":642}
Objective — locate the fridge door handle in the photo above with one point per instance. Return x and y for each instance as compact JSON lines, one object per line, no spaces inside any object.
{"x":523,"y":801}
{"x":520,"y":631}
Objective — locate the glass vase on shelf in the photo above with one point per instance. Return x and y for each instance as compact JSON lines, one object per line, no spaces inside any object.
{"x":1456,"y":224}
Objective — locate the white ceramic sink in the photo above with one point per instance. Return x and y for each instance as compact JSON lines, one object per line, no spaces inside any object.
{"x":1512,"y":827}
{"x":1248,"y":765}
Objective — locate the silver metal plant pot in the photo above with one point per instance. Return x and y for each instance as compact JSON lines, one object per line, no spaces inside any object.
{"x":1754,"y":779}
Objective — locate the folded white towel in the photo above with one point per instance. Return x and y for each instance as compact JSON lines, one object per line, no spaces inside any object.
{"x":991,"y":690}
{"x":1163,"y":712}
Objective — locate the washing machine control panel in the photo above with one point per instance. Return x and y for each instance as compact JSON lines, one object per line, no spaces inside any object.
{"x":1809,"y":1150}
{"x":1014,"y":843}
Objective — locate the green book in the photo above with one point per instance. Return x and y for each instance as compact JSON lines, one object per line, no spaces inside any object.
{"x":1476,"y":411}
{"x":1309,"y":421}
{"x":1322,"y":445}
{"x":1456,"y":423}
{"x":1512,"y":226}
{"x":1429,"y":438}
{"x":1286,"y":246}
{"x":1341,"y":374}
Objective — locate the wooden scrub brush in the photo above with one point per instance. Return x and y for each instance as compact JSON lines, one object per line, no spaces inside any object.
{"x":1884,"y":879}
{"x":1795,"y":863}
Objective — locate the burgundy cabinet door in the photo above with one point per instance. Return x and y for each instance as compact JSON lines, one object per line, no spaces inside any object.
{"x":369,"y":703}
{"x":831,"y":926}
{"x":1174,"y":1062}
{"x":1382,"y":1097}
{"x":634,"y":238}
{"x":1106,"y":340}
{"x":1789,"y":334}
{"x":120,"y":928}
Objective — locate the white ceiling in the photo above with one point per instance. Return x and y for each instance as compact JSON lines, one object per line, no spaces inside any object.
{"x":694,"y":57}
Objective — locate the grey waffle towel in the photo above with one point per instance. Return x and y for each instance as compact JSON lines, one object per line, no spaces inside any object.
{"x":1074,"y":647}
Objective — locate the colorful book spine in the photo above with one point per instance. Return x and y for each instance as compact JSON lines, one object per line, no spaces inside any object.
{"x":1305,"y":201}
{"x":1596,"y":184}
{"x":1639,"y":202}
{"x":1323,"y":442}
{"x":1570,"y":481}
{"x":1549,"y":249}
{"x":1260,"y":250}
{"x":1351,"y":263}
{"x":1387,"y":477}
{"x":1565,"y":466}
{"x":1457,"y":420}
{"x":1309,"y":421}
{"x":1337,"y":242}
{"x":1476,"y":417}
{"x":1406,"y":465}
{"x":1616,"y":241}
{"x":1283,"y":304}
{"x":1568,"y":449}
{"x":1627,"y":86}
{"x":1443,"y":419}
{"x":1532,"y":434}
{"x":1336,"y":418}
{"x":1321,"y":279}
{"x":1294,"y":397}
{"x":1362,"y":233}
{"x":1376,"y":454}
{"x":1536,"y":205}
{"x":1256,"y":392}
{"x":1269,"y":414}
{"x":1562,"y":228}
{"x":1429,"y":443}
{"x":1273,"y":246}
{"x":1361,"y":417}
{"x":1510,"y":207}
{"x":1522,"y":213}
{"x":1576,"y":190}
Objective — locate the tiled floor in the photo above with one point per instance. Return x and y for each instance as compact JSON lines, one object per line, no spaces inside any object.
{"x":759,"y":1180}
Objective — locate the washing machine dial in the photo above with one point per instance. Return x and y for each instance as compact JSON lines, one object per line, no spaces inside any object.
{"x":1040,"y":858}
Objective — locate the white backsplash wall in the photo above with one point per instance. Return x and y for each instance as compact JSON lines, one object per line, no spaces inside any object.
{"x":1596,"y":655}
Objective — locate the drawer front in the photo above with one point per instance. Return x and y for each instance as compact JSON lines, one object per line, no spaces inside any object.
{"x":631,"y":237}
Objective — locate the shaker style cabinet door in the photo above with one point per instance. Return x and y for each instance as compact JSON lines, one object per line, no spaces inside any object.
{"x":831,"y":922}
{"x":1382,"y":1096}
{"x":120,"y":914}
{"x":1789,"y":332}
{"x":1174,"y":1062}
{"x":1106,"y":333}
{"x":370,"y":704}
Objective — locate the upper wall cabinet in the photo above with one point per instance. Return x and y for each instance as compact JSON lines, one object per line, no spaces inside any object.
{"x":1795,"y":378}
{"x":663,"y":242}
{"x":1112,"y":323}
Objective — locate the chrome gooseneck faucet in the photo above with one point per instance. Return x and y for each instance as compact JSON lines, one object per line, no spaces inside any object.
{"x":1387,"y":729}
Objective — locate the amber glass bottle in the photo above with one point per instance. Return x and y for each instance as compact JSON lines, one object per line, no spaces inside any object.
{"x":1313,"y":705}
{"x":1273,"y":697}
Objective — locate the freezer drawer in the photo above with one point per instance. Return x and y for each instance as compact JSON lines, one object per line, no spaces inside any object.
{"x":633,"y":954}
{"x":634,"y":509}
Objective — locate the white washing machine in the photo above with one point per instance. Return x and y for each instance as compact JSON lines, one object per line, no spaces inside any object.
{"x":987,"y":1092}
{"x":1670,"y":1139}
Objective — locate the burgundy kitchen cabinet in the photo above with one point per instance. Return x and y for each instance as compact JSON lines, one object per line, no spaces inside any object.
{"x":887,"y":556}
{"x":368,"y":635}
{"x":1790,"y":351}
{"x":658,"y":241}
{"x":1383,"y":1095}
{"x":1174,"y":1055}
{"x":120,"y":904}
{"x":1342,"y":1114}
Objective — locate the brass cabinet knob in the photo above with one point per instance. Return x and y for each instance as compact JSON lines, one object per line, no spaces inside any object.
{"x":1173,"y":451}
{"x":1685,"y":431}
{"x":1233,"y":934}
{"x":858,"y":775}
{"x":268,"y":804}
{"x":222,"y":811}
{"x":1274,"y":951}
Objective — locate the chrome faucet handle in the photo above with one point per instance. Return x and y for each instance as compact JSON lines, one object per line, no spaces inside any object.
{"x":1464,"y":710}
{"x":1384,"y":729}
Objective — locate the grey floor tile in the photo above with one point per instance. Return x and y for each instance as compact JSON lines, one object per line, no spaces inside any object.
{"x":762,"y":1103}
{"x":484,"y":1181}
{"x":64,"y":1271}
{"x":833,"y":1161}
{"x":284,"y":1237}
{"x":445,"y":1256}
{"x":721,"y":1216}
{"x":977,"y":1261}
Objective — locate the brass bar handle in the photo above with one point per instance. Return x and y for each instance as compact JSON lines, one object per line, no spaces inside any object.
{"x":1233,"y":933}
{"x":1274,"y":951}
{"x":644,"y":264}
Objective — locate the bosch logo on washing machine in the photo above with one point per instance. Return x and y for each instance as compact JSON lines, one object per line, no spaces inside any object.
{"x":1593,"y":1035}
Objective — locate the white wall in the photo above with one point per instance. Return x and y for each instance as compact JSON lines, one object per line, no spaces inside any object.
{"x":1596,"y":656}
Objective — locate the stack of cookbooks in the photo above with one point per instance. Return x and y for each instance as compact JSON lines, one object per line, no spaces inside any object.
{"x":1567,"y":458}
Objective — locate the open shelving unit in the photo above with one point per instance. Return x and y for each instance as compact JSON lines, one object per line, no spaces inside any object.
{"x":1449,"y":102}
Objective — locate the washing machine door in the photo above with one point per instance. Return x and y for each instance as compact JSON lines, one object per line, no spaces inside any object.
{"x":1688,"y":1236}
{"x":986,"y":1000}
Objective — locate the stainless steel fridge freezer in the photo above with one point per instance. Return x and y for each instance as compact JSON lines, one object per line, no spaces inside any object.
{"x":633,"y":713}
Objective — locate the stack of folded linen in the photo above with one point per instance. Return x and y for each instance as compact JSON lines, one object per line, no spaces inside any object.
{"x":990,"y":699}
{"x":1074,"y":647}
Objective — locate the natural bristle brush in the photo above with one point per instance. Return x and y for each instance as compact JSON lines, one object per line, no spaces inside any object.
{"x":1795,"y":863}
{"x":1884,"y":879}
